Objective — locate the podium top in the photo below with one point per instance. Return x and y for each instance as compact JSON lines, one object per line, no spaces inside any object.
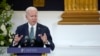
{"x":28,"y":50}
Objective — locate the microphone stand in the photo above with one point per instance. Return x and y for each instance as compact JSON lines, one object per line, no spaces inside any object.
{"x":26,"y":40}
{"x":32,"y":42}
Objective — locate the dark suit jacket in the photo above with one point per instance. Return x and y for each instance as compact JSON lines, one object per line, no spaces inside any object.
{"x":41,"y":29}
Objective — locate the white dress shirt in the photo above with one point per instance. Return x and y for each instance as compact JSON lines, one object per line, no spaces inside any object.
{"x":34,"y":28}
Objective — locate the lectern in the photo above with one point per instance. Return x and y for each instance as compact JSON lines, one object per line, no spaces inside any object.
{"x":28,"y":51}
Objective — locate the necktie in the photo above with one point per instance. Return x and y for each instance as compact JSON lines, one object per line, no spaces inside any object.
{"x":31,"y":35}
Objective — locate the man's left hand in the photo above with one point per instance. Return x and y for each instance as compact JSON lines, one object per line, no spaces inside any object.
{"x":44,"y":38}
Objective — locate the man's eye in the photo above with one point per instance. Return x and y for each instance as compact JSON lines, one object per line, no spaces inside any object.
{"x":33,"y":16}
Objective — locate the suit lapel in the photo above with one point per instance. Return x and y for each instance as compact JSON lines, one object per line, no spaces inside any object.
{"x":38,"y":31}
{"x":26,"y":29}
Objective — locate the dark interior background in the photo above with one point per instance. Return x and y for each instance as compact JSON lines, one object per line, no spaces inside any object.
{"x":50,"y":5}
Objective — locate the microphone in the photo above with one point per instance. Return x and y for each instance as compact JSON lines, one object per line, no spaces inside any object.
{"x":32,"y":41}
{"x":26,"y":40}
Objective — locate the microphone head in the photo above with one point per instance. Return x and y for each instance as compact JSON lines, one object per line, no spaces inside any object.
{"x":32,"y":41}
{"x":26,"y":37}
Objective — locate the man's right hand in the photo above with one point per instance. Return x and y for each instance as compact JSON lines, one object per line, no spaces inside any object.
{"x":17,"y":38}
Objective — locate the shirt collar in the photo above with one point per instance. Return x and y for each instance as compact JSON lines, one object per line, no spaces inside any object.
{"x":32,"y":26}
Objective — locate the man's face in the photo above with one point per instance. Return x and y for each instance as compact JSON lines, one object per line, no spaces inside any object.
{"x":32,"y":16}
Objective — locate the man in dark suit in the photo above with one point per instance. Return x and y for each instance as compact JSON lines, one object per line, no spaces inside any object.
{"x":36,"y":34}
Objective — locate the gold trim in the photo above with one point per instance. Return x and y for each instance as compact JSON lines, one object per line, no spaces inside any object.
{"x":44,"y":54}
{"x":13,"y":55}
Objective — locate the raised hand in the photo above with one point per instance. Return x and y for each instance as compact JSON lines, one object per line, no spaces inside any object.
{"x":17,"y":38}
{"x":44,"y":38}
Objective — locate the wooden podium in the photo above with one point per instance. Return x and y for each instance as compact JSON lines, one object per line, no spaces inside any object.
{"x":80,"y":12}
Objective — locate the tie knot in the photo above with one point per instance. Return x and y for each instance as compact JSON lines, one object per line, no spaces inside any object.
{"x":31,"y":27}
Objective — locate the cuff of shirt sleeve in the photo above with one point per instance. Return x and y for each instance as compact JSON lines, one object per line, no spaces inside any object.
{"x":14,"y":43}
{"x":47,"y":42}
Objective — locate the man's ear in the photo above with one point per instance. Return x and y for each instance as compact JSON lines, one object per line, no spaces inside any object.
{"x":26,"y":16}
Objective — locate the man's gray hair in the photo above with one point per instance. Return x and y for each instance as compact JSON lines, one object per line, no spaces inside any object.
{"x":31,"y":8}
